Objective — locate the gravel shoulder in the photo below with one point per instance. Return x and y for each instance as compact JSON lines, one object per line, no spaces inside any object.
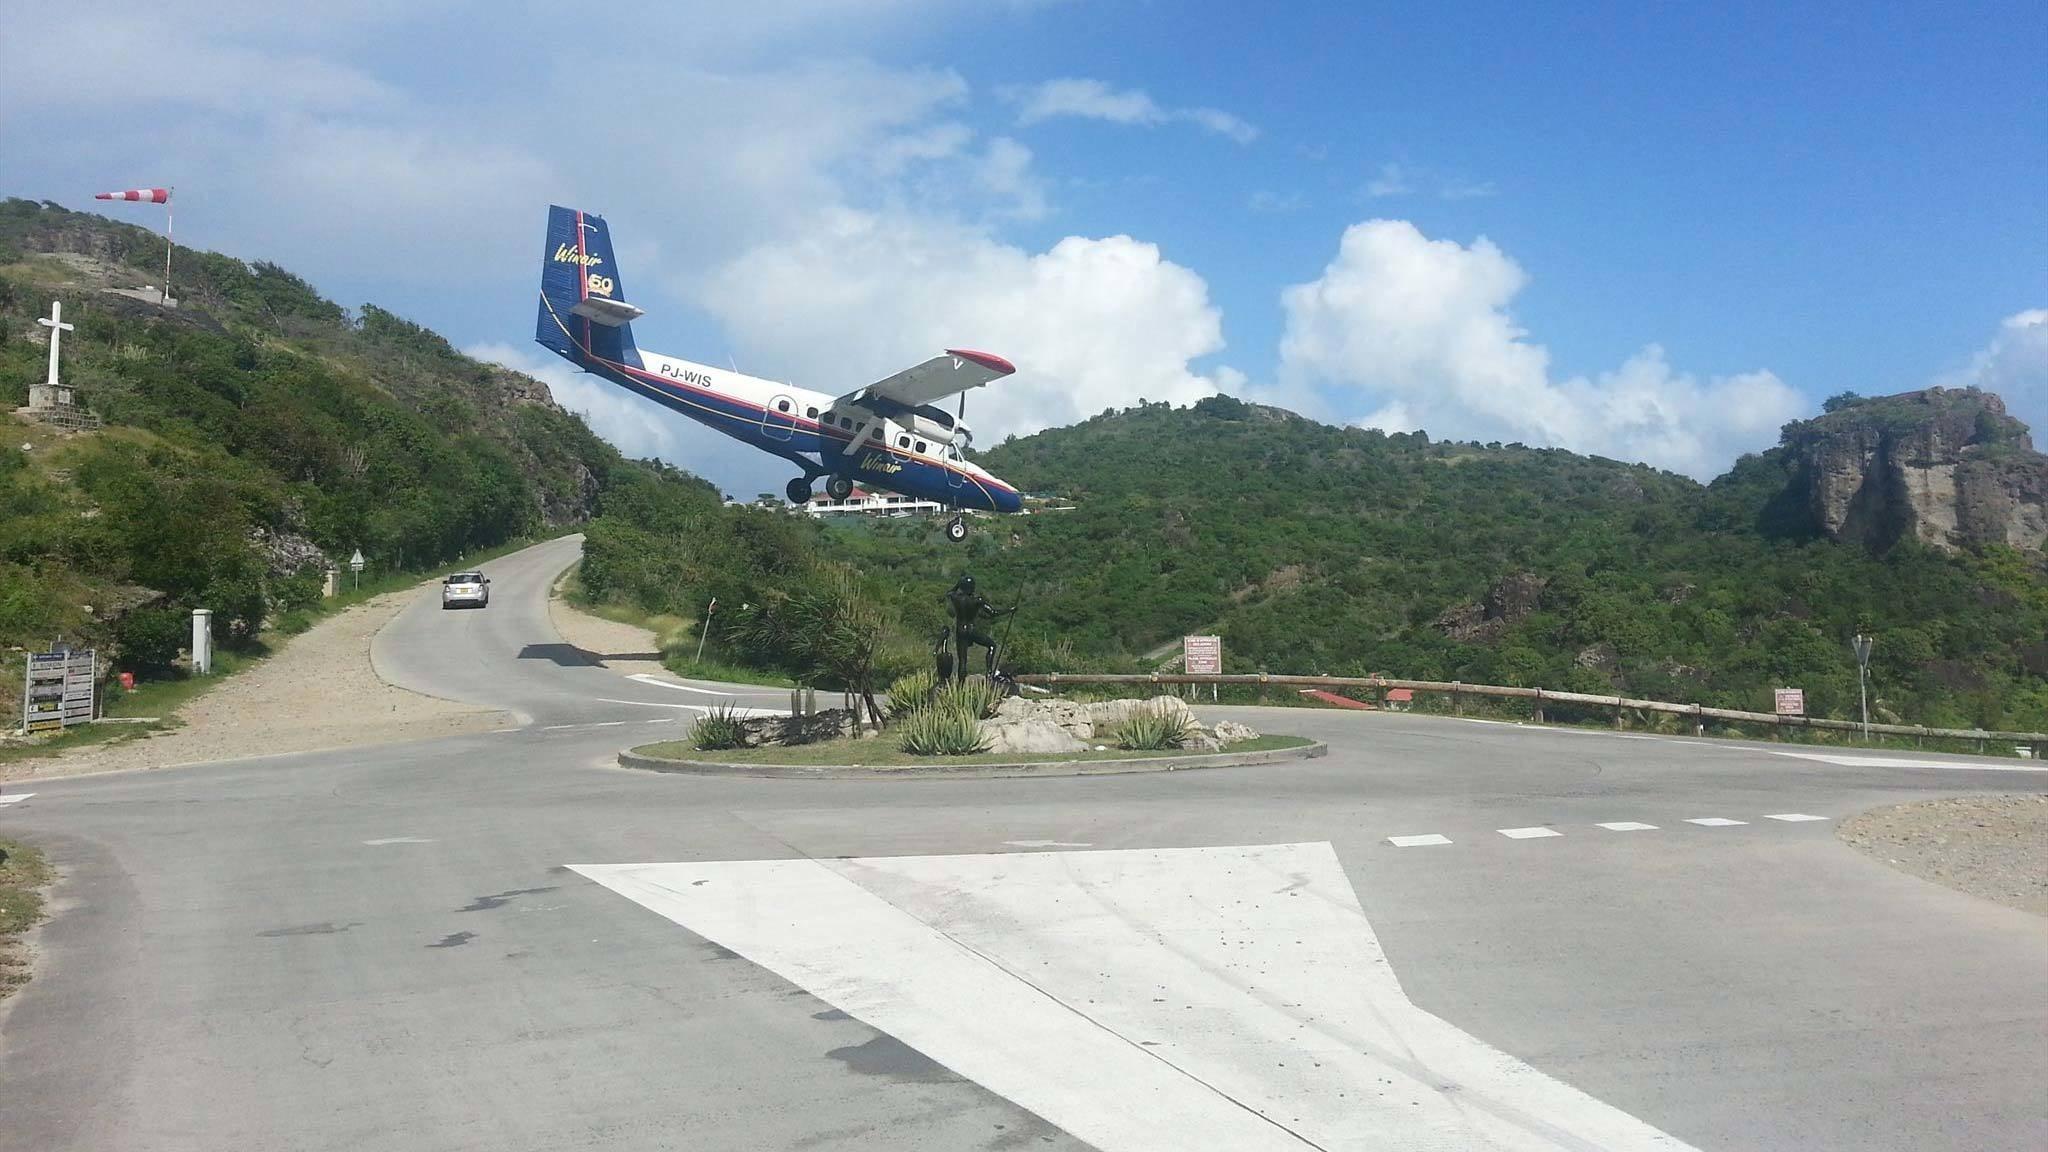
{"x":317,"y":692}
{"x":627,"y":649}
{"x":1995,"y":847}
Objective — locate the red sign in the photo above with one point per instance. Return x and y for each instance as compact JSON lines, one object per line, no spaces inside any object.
{"x":1791,"y":701}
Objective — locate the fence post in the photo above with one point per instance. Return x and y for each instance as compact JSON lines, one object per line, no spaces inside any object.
{"x":1699,"y":721}
{"x":1539,"y":706}
{"x":1617,"y":713}
{"x":1457,"y":699}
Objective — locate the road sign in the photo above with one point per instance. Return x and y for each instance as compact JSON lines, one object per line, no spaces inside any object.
{"x":60,"y":690}
{"x":355,"y":562}
{"x":1202,"y":655}
{"x":1791,"y":701}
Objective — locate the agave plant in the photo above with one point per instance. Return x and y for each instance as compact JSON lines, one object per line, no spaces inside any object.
{"x":1152,"y":728}
{"x":977,"y":696}
{"x":717,"y":730}
{"x":911,"y":692}
{"x":940,"y":729}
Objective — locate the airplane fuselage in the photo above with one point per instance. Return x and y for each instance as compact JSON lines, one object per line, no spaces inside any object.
{"x":803,"y":427}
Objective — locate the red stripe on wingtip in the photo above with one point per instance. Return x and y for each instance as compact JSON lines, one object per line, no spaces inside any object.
{"x":992,"y":363}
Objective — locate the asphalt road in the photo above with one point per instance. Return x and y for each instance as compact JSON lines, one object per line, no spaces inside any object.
{"x":432,"y":946}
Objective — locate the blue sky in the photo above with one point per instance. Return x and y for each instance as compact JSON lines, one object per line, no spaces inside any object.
{"x":1630,"y":230}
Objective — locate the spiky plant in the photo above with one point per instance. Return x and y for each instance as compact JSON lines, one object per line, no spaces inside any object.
{"x":718,"y":730}
{"x":911,"y":692}
{"x":940,"y":729}
{"x":1152,"y":728}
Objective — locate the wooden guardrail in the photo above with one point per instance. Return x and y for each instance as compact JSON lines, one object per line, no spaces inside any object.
{"x":1699,"y":713}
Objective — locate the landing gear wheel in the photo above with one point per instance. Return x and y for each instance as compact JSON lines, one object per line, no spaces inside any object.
{"x":956,"y":529}
{"x":839,"y":487}
{"x":799,"y":490}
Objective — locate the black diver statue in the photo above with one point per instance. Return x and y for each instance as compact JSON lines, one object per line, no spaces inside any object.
{"x":968,"y":606}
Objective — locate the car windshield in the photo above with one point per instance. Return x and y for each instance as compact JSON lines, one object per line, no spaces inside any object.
{"x":466,"y":578}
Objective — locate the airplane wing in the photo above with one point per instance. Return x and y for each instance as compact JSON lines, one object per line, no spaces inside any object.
{"x":956,"y":371}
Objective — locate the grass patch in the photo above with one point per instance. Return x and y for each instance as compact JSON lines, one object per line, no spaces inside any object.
{"x":674,"y":635}
{"x":23,"y":873}
{"x":883,"y":752}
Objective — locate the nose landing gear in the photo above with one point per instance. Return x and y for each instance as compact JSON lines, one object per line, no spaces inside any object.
{"x":956,"y":528}
{"x":839,"y":487}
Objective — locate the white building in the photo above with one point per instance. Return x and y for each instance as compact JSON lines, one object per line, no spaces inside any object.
{"x":864,"y":503}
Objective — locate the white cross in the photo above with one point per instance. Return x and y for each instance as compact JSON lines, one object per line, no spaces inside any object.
{"x":57,"y":328}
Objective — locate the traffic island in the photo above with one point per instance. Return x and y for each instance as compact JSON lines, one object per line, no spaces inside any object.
{"x":880,"y":759}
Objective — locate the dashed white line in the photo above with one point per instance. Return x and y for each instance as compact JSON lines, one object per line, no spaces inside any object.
{"x":607,"y":724}
{"x":1417,"y":841}
{"x":1794,"y":817}
{"x":1536,"y":833}
{"x":1715,"y":821}
{"x":658,"y":682}
{"x":661,"y":720}
{"x":396,"y":840}
{"x":17,"y":798}
{"x":556,"y":727}
{"x":1629,"y":826}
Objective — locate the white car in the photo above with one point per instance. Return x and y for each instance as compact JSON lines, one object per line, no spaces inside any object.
{"x":466,"y":590}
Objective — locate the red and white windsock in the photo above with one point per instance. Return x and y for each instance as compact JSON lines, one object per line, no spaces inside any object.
{"x":146,"y":195}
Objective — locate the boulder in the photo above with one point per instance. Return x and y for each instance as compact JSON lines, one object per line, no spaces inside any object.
{"x":1029,"y":734}
{"x":1231,"y":732}
{"x":1105,"y":715}
{"x":1065,"y":713}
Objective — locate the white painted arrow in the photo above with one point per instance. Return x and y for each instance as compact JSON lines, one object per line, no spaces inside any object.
{"x":1157,"y":999}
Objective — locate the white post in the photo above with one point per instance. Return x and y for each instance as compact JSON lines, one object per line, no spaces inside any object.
{"x":57,"y":328}
{"x":202,"y":641}
{"x":169,"y":195}
{"x":1863,"y":690}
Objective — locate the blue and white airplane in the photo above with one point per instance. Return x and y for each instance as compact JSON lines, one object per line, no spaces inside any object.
{"x":887,"y":435}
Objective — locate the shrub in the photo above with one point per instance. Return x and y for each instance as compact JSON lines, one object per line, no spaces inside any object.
{"x":911,"y":692}
{"x":941,"y":730}
{"x":149,"y":639}
{"x":717,"y":730}
{"x":1152,"y":729}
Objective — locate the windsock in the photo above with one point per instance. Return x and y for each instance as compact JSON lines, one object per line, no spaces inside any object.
{"x":146,"y":195}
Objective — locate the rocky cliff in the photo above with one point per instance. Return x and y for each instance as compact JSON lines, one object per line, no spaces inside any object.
{"x":1946,"y":467}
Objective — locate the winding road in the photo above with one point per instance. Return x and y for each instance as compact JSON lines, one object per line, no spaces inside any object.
{"x":1446,"y":934}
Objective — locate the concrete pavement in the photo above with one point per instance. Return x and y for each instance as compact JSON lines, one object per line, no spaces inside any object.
{"x":388,"y":947}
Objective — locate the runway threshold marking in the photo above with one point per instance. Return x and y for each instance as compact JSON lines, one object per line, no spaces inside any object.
{"x":1423,"y":841}
{"x":1536,"y":833}
{"x":1794,"y":817}
{"x":1143,"y":1001}
{"x":14,"y":798}
{"x":1628,"y":826}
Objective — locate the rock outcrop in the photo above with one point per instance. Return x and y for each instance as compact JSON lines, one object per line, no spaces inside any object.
{"x":1046,"y":726}
{"x":1511,"y":598}
{"x":1946,"y":467}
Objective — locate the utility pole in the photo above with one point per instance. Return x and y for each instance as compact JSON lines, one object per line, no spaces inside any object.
{"x":1861,"y":644}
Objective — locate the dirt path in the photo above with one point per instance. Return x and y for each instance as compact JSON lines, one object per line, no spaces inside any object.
{"x":317,"y":692}
{"x":1990,"y":846}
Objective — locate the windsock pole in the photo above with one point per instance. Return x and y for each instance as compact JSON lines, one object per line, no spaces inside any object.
{"x":168,"y":243}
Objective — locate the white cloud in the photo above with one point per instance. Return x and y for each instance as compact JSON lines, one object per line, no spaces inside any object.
{"x":1416,"y":332}
{"x":1090,"y":323}
{"x":2014,"y":365}
{"x":1095,"y":100}
{"x":1392,"y":180}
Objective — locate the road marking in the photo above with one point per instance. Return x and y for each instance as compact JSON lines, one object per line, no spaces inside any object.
{"x":1046,"y":844}
{"x":17,"y":798}
{"x":396,"y":840}
{"x":1794,"y":817}
{"x":1417,"y":841}
{"x":1629,"y":826}
{"x":1528,"y":833}
{"x":662,"y":720}
{"x":605,"y":724}
{"x":1715,"y":821}
{"x":658,"y":682}
{"x":557,"y":727}
{"x":1897,"y":762}
{"x":1232,"y":997}
{"x":742,"y":713}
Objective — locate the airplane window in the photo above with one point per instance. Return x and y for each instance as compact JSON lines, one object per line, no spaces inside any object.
{"x":922,"y":446}
{"x":782,"y":405}
{"x":810,"y":413}
{"x":903,"y":441}
{"x":846,"y":421}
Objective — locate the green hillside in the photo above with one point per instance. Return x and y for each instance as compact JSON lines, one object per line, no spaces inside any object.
{"x":254,"y":434}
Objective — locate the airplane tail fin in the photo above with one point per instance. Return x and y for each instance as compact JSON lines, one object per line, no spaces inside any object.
{"x":583,"y":311}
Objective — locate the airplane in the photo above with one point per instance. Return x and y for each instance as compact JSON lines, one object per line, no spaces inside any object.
{"x":888,"y":434}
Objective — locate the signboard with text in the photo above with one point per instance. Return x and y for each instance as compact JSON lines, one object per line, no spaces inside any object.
{"x":1202,"y":655}
{"x":1791,"y":701}
{"x":59,"y":690}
